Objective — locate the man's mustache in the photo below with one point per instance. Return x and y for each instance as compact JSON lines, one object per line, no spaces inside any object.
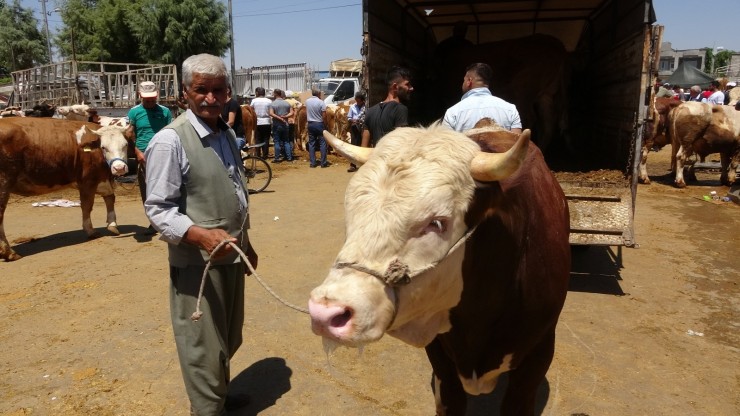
{"x":205,"y":104}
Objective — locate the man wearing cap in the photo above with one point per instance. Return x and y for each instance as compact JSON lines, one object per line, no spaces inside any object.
{"x":728,"y":87}
{"x":665,"y":91}
{"x":145,"y":120}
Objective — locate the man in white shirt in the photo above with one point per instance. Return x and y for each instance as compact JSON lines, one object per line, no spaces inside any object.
{"x":717,"y":97}
{"x":478,"y":103}
{"x":261,"y":105}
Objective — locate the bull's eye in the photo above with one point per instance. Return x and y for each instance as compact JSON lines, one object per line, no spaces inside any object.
{"x":436,"y":225}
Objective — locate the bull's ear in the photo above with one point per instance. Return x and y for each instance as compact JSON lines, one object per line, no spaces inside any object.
{"x":490,"y":167}
{"x":87,"y":138}
{"x":95,"y":132}
{"x":356,"y":154}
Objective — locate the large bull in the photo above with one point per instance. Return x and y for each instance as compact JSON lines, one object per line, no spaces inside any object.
{"x":656,"y":132}
{"x":705,"y":129}
{"x":456,"y":244}
{"x":42,"y":155}
{"x":530,"y":72}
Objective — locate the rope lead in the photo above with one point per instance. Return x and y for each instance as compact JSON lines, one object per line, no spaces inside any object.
{"x":198,"y":313}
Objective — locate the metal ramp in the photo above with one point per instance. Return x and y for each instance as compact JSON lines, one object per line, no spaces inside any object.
{"x":600,"y":213}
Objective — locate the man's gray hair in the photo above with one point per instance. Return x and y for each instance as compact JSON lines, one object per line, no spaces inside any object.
{"x":696,"y":89}
{"x":204,"y":64}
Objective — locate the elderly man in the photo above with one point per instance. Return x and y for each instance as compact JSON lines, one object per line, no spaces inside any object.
{"x":196,"y":200}
{"x":145,"y":120}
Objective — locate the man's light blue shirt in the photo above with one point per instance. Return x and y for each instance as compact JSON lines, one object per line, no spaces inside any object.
{"x":479,"y":103}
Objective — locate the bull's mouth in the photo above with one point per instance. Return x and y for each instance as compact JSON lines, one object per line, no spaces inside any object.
{"x":340,"y":321}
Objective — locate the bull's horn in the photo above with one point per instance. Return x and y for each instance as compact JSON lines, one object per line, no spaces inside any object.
{"x":489,"y":167}
{"x":356,"y":154}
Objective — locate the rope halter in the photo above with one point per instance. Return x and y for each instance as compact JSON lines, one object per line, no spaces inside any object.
{"x":399,"y":274}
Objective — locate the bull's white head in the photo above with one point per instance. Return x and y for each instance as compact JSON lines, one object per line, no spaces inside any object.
{"x":405,"y":217}
{"x":113,"y":143}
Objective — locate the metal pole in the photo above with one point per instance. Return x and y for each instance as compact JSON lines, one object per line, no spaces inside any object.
{"x":233,"y":65}
{"x":46,"y":27}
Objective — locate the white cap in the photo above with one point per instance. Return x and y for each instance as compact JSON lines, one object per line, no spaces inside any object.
{"x":147,"y":89}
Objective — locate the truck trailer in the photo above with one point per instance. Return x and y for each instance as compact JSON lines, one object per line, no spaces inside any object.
{"x":611,"y":49}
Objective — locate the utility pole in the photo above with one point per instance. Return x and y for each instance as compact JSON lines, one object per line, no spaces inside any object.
{"x":233,"y":65}
{"x":46,"y":28}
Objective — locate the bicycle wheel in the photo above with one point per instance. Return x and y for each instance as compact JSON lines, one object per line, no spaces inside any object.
{"x":257,"y":173}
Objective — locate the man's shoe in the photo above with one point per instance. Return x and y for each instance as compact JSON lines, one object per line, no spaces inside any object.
{"x":352,"y":169}
{"x":236,"y":401}
{"x":313,"y":165}
{"x":276,"y":160}
{"x":325,"y":165}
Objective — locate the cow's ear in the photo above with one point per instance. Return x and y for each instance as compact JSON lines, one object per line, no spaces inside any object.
{"x":95,"y":132}
{"x":88,"y":139}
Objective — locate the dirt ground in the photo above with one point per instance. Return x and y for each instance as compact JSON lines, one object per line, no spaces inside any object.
{"x":84,"y":326}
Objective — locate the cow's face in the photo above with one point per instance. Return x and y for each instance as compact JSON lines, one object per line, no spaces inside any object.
{"x":404,"y":208}
{"x":114,"y":146}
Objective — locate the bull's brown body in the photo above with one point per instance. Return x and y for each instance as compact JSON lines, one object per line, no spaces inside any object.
{"x":41,"y":155}
{"x":515,"y":274}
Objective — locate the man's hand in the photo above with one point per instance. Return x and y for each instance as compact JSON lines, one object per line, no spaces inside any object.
{"x":140,"y":158}
{"x":209,"y":239}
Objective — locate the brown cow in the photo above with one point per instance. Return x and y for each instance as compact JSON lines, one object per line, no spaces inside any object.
{"x":249,"y":120}
{"x":301,"y":128}
{"x":42,"y":155}
{"x":529,"y":72}
{"x":459,"y":246}
{"x":655,"y":132}
{"x":293,"y":123}
{"x":705,"y":129}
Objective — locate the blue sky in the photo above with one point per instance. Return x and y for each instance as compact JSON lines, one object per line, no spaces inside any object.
{"x":693,"y":24}
{"x":274,"y":32}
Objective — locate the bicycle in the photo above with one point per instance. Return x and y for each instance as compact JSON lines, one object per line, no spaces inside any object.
{"x":257,"y":172}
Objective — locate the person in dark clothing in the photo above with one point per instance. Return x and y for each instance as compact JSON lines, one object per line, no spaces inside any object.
{"x":232,"y":115}
{"x":384,"y":117}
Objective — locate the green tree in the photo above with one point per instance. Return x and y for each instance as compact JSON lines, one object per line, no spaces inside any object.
{"x":22,"y":45}
{"x":169,"y":31}
{"x":721,"y":58}
{"x":77,"y":38}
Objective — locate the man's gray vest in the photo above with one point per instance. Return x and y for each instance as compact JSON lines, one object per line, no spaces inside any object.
{"x":207,"y":196}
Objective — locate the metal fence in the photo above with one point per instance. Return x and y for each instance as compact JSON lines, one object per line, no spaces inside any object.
{"x":99,"y":84}
{"x":291,"y":77}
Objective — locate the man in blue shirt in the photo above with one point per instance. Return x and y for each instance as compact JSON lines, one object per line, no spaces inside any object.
{"x":315,"y":109}
{"x":478,"y":103}
{"x":145,"y":120}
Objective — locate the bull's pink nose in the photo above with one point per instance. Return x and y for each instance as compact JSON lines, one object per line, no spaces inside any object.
{"x":328,"y":319}
{"x":119,"y":169}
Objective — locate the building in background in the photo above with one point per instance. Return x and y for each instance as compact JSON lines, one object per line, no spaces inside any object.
{"x":670,"y":59}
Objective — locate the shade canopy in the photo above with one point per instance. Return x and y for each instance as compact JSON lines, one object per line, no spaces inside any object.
{"x":687,"y":75}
